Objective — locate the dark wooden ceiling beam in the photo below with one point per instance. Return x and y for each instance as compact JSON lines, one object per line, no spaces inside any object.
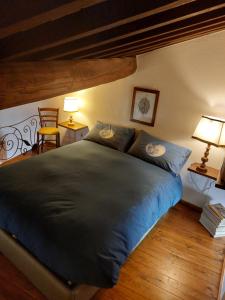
{"x":128,"y":33}
{"x":27,"y":82}
{"x":107,"y":15}
{"x":183,"y":32}
{"x":135,"y":52}
{"x":153,"y":40}
{"x":46,"y":16}
{"x":14,"y":11}
{"x":69,"y":29}
{"x":114,"y":38}
{"x":216,"y":16}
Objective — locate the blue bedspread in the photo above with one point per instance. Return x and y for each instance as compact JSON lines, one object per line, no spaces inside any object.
{"x":82,"y":208}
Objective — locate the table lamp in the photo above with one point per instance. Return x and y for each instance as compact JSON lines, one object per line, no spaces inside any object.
{"x":210,"y":130}
{"x":71,"y":106}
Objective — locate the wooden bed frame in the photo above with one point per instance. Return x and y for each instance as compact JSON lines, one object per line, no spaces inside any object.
{"x":44,"y":280}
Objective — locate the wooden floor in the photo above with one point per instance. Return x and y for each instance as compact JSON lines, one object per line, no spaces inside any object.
{"x":177,"y":260}
{"x":28,"y":154}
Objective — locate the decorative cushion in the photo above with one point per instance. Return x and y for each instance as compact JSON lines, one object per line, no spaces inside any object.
{"x":165,"y":155}
{"x":111,"y":135}
{"x":48,"y":130}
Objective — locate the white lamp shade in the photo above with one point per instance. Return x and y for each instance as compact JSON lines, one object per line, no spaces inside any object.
{"x":71,"y":104}
{"x":211,"y":130}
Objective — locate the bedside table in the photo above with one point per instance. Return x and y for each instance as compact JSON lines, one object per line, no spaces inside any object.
{"x":73,"y":133}
{"x":212,"y":173}
{"x":209,"y":219}
{"x":204,"y":184}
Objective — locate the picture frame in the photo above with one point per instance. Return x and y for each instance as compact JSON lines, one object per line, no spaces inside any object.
{"x":144,"y":106}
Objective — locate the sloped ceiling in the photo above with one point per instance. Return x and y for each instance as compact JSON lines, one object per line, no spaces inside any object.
{"x":43,"y":41}
{"x":66,"y":29}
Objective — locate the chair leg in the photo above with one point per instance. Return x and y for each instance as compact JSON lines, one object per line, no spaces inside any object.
{"x":38,"y":141}
{"x":42,"y":143}
{"x":57,"y":140}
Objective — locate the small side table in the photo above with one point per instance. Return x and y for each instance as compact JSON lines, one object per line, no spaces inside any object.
{"x":210,"y":177}
{"x":73,"y":133}
{"x":212,"y":173}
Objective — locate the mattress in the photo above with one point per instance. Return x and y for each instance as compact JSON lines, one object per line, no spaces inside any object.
{"x":82,"y":208}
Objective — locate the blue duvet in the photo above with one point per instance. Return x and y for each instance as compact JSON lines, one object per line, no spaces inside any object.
{"x":82,"y":208}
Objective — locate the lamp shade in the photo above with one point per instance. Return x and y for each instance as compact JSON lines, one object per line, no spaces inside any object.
{"x":211,"y":130}
{"x":71,"y":104}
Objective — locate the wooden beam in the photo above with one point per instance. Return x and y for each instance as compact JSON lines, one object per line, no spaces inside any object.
{"x":106,"y":16}
{"x":47,"y":16}
{"x":185,"y":17}
{"x":160,"y":45}
{"x":13,"y":11}
{"x":152,"y":42}
{"x":141,"y":29}
{"x":28,"y":82}
{"x":112,"y":39}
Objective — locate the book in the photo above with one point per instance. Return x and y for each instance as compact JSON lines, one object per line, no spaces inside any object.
{"x":214,"y":231}
{"x":214,"y":218}
{"x":219,"y":209}
{"x":218,"y":235}
{"x":210,"y":224}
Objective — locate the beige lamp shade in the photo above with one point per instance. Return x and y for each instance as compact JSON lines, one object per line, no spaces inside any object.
{"x":211,"y":130}
{"x":71,"y":104}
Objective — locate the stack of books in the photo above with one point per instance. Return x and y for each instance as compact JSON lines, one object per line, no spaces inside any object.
{"x":213,"y":219}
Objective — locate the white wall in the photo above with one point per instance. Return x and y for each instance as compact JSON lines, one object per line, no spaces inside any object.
{"x":17,"y":114}
{"x":191,"y":79}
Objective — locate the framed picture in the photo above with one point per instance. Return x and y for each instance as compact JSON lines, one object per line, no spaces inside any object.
{"x":144,"y":106}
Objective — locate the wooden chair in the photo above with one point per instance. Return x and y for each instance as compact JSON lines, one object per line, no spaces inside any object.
{"x":48,"y":116}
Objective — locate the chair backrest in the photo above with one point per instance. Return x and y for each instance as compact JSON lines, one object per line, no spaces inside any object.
{"x":48,"y":115}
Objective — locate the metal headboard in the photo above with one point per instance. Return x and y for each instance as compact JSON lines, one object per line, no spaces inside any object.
{"x":18,"y":138}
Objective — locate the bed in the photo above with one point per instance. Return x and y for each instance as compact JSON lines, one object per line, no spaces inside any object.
{"x":77,"y":212}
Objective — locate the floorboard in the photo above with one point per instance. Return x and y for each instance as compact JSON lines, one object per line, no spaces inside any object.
{"x":177,"y":260}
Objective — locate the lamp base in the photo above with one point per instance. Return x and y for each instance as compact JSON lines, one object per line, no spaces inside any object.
{"x":202,"y":170}
{"x":71,"y":121}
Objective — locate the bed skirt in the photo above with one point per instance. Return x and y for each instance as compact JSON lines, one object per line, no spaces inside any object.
{"x":45,"y":281}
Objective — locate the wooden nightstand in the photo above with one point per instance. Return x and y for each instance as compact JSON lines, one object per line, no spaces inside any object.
{"x":73,"y":133}
{"x":212,"y":173}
